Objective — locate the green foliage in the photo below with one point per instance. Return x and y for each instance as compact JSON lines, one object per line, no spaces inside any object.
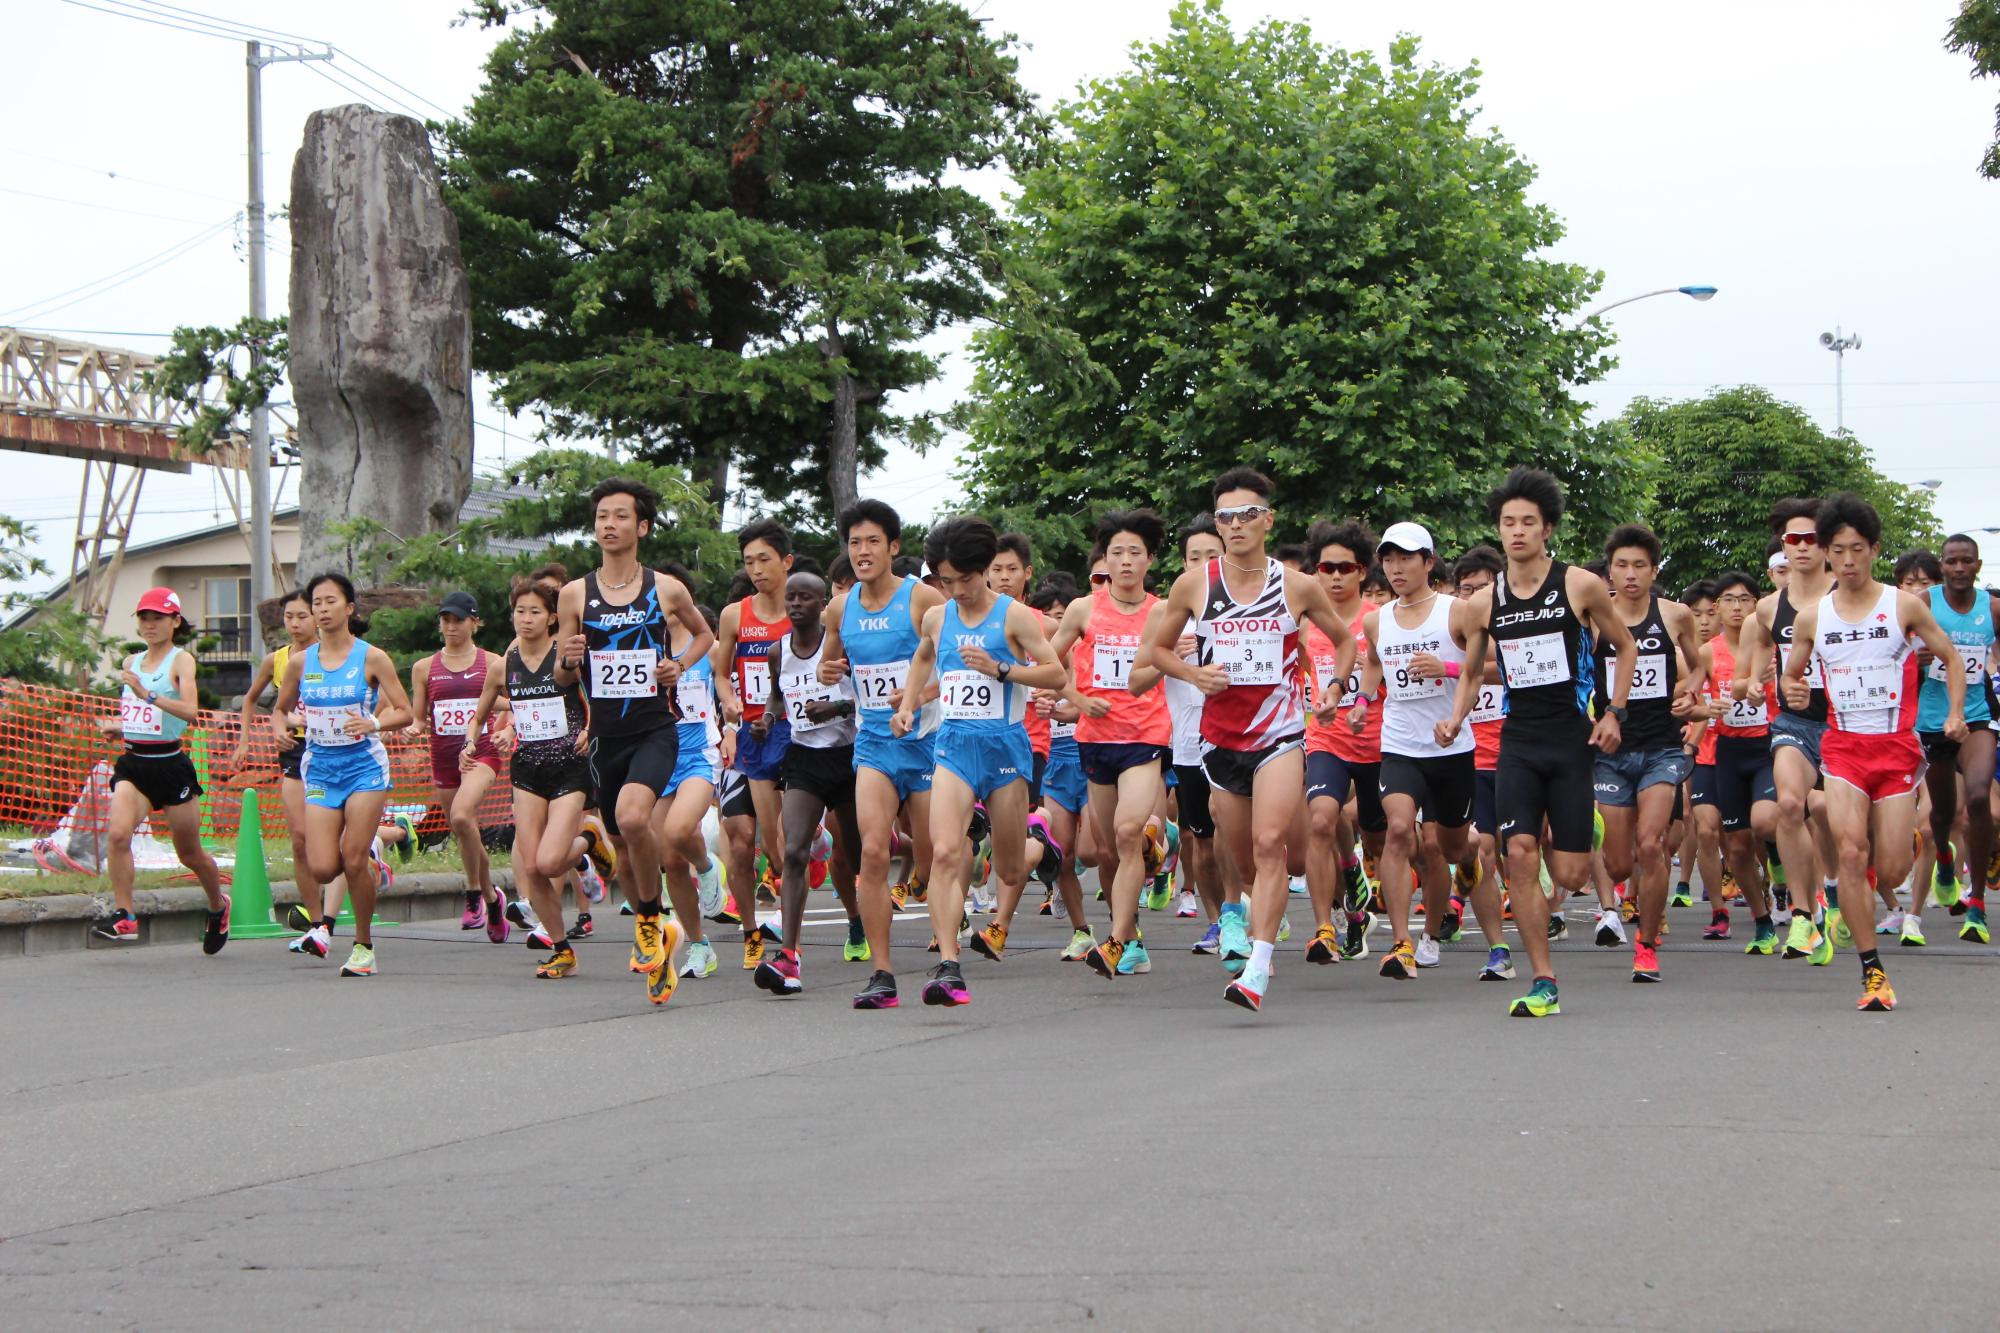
{"x":61,"y":646}
{"x":1975,"y":32}
{"x":686,"y":222}
{"x":209,"y":356}
{"x":1724,"y":460}
{"x":1261,"y":250}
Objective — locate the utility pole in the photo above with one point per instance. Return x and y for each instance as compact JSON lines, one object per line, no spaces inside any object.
{"x":261,"y":563}
{"x":1840,"y":345}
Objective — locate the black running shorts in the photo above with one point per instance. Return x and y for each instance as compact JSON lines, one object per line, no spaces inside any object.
{"x":643,"y":758}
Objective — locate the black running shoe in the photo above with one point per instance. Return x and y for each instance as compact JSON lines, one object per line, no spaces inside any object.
{"x":946,"y":986}
{"x":296,"y":919}
{"x":215,"y":933}
{"x":879,"y":993}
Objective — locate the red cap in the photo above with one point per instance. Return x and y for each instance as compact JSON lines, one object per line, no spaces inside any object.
{"x":162,"y":600}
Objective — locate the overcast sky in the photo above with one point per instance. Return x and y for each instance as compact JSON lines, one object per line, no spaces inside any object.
{"x":1813,"y":161}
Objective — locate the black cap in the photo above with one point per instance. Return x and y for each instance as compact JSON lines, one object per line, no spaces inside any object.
{"x":458,"y":604}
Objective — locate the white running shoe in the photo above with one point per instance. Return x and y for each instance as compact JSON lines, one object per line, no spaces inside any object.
{"x":1427,"y":952}
{"x":699,"y":960}
{"x":1186,"y":904}
{"x":1610,"y":930}
{"x":316,"y":942}
{"x":1890,"y":924}
{"x":708,"y":886}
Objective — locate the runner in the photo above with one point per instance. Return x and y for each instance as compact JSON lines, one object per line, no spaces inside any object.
{"x":1343,"y":758}
{"x":1124,"y":736}
{"x":1638,"y":783}
{"x":1966,"y":614}
{"x":1541,"y":615}
{"x":296,"y":609}
{"x":818,"y":772}
{"x":1199,"y":545}
{"x":872,"y":635}
{"x":445,"y":690}
{"x":988,"y":651}
{"x":743,"y":640}
{"x":693,"y":875}
{"x":1698,"y":846}
{"x":157,"y":703}
{"x":1474,"y":573}
{"x":1860,"y":633}
{"x":618,"y":647}
{"x":349,"y":693}
{"x":1733,"y":787}
{"x":1064,"y":788}
{"x":1247,"y":609}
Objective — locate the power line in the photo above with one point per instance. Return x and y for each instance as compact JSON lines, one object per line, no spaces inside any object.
{"x":121,"y":177}
{"x":271,"y":32}
{"x":391,"y":82}
{"x":86,"y":203}
{"x":84,"y":291}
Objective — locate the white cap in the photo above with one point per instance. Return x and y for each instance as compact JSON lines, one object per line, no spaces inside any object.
{"x":1406,"y":537}
{"x":1777,"y":559}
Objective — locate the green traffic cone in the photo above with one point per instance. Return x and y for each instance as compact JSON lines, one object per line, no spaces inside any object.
{"x":250,"y":913}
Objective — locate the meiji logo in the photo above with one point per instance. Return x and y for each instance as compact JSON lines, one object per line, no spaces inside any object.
{"x":1249,"y":625}
{"x":869,"y":623}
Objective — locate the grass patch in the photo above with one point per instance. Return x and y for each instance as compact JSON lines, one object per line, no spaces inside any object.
{"x":439,"y":860}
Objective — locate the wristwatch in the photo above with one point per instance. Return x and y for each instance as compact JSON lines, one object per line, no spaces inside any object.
{"x":1618,"y":711}
{"x":1005,"y":667}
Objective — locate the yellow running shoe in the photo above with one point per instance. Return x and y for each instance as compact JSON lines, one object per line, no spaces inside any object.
{"x":991,"y":942}
{"x":1877,"y":996}
{"x":662,"y":980}
{"x":1325,"y":946}
{"x":1400,"y":963}
{"x":753,"y":950}
{"x":561,"y":963}
{"x":647,"y":950}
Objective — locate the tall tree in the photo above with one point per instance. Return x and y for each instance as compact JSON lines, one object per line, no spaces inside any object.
{"x":1975,"y":32}
{"x":717,"y":230}
{"x":1261,"y":249}
{"x":1724,"y":460}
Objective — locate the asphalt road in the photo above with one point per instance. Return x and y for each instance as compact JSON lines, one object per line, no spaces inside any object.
{"x":248,"y":1141}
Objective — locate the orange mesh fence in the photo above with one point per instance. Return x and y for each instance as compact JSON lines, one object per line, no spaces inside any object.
{"x":51,"y":745}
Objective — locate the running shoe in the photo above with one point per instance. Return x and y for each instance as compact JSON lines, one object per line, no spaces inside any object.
{"x":701,"y":960}
{"x":1249,"y":989}
{"x":1836,"y":926}
{"x":1355,"y":944}
{"x":595,"y":890}
{"x":1558,"y":926}
{"x":1682,"y":896}
{"x":708,"y":889}
{"x":1284,"y":929}
{"x":539,"y":939}
{"x":818,"y":858}
{"x":769,"y":885}
{"x":318,"y":942}
{"x":1153,"y":854}
{"x":583,"y":927}
{"x":1610,"y":931}
{"x":1210,"y":941}
{"x":561,"y":963}
{"x":662,"y":980}
{"x":990,"y":942}
{"x":1944,"y":884}
{"x":1296,"y":887}
{"x":1539,"y":1002}
{"x":1974,"y":930}
{"x":1325,"y":946}
{"x":1172,"y":862}
{"x":360,"y":962}
{"x":729,"y":915}
{"x":407,"y":848}
{"x":1048,"y":907}
{"x":779,"y":974}
{"x":1499,"y":964}
{"x":1913,"y":931}
{"x":946,"y":986}
{"x":1451,"y":925}
{"x":215,"y":928}
{"x":475,"y":911}
{"x":1877,"y":996}
{"x":1799,"y":936}
{"x":753,"y":950}
{"x":1729,"y":889}
{"x":647,"y":950}
{"x":1400,"y":963}
{"x":1718,"y":927}
{"x":1135,"y":961}
{"x":1157,"y":895}
{"x":497,"y":925}
{"x":856,"y":951}
{"x":1050,"y":863}
{"x":521,"y":914}
{"x":625,"y":909}
{"x":1428,"y":953}
{"x":1235,"y":940}
{"x":1103,"y":958}
{"x":979,"y":901}
{"x":1765,"y":940}
{"x":1645,"y":962}
{"x":899,"y":896}
{"x":1465,"y":877}
{"x":917,"y":892}
{"x":1187,"y":906}
{"x":1628,"y":910}
{"x":1822,"y":949}
{"x":879,"y":993}
{"x":296,"y":919}
{"x":1890,"y":924}
{"x":1993,"y":867}
{"x":1081,"y":941}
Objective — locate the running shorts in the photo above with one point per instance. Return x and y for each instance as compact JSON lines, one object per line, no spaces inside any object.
{"x":550,"y":781}
{"x":639,"y":758}
{"x":763,"y":760}
{"x":1619,"y":778}
{"x":733,"y":796}
{"x":907,"y":761}
{"x":694,"y":764}
{"x":985,"y":761}
{"x":164,"y":775}
{"x":1441,"y":785}
{"x":1063,"y":781}
{"x":1790,"y":731}
{"x":1542,"y":777}
{"x":1191,"y":800}
{"x":335,"y":773}
{"x":1235,"y":771}
{"x":1879,"y":766}
{"x":289,"y":758}
{"x":1327,"y":774}
{"x":826,"y":773}
{"x":1105,"y":761}
{"x":445,"y":772}
{"x":1739,"y":778}
{"x":1940,"y":748}
{"x":1485,"y":802}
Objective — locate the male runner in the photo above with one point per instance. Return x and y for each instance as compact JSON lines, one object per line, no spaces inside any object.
{"x":1966,"y":613}
{"x":614,"y":636}
{"x":1246,"y":609}
{"x":1859,"y":633}
{"x":1474,"y":573}
{"x":1199,"y":545}
{"x":743,"y":639}
{"x":872,"y":633}
{"x":1637,"y":782}
{"x":1541,"y":615}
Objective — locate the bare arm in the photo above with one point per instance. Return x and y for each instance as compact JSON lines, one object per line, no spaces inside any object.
{"x":419,"y":700}
{"x":1753,"y":648}
{"x":1476,"y":615}
{"x":1918,"y":620}
{"x":1162,"y":647}
{"x":1314,"y":605}
{"x":919,"y":678}
{"x":570,"y":644}
{"x":680,"y":607}
{"x":1030,"y":641}
{"x":832,"y":660}
{"x":392,"y":706}
{"x":1592,"y":601}
{"x":265,"y":669}
{"x":1371,"y":665}
{"x":721,"y":656}
{"x":288,"y":697}
{"x":489,"y":692}
{"x":1680,"y":624}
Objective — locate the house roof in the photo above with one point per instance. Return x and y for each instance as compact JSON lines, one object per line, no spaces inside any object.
{"x":61,"y":590}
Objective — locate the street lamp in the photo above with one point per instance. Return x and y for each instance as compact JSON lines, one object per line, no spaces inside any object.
{"x":1699,"y":293}
{"x":1840,"y":345}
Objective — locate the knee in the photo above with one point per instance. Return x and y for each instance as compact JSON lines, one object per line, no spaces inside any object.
{"x":633,"y":815}
{"x":1323,"y":821}
{"x":1791,"y":807}
{"x":1268,"y":845}
{"x":1401,"y":837}
{"x":798,"y":848}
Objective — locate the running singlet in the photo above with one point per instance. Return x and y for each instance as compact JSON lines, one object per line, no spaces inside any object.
{"x":1971,"y":632}
{"x":798,"y":681}
{"x":281,"y":658}
{"x":1488,"y":716}
{"x":1338,"y":739}
{"x":1650,"y":723}
{"x":547,"y":717}
{"x":1104,"y":656}
{"x":1255,"y":644}
{"x":1741,"y":717}
{"x":1413,"y":705}
{"x":147,"y":722}
{"x":454,"y":698}
{"x":879,"y":645}
{"x":750,"y":670}
{"x":694,"y":697}
{"x":1545,"y":657}
{"x":623,"y":645}
{"x":971,"y":700}
{"x":1184,"y":715}
{"x":1870,"y":668}
{"x":1781,"y":636}
{"x":330,"y":696}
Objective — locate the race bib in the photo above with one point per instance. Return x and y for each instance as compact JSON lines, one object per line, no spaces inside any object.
{"x":971,"y":697}
{"x":1325,"y":672}
{"x":755,"y":674}
{"x":1491,"y":705}
{"x":623,"y":673}
{"x":138,"y":717}
{"x":1743,"y":714}
{"x":1858,"y":687}
{"x":878,"y":682}
{"x":1406,"y":685}
{"x":1975,"y":666}
{"x":1537,"y":660}
{"x":802,"y":688}
{"x":696,"y":696}
{"x":540,"y":720}
{"x":1061,"y":731}
{"x":1111,"y":664}
{"x":327,"y":726}
{"x":453,"y":717}
{"x":1649,"y":675}
{"x":1815,"y":673}
{"x":1248,"y":657}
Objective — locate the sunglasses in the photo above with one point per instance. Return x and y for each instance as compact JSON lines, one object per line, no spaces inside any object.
{"x":1802,"y":539}
{"x":1235,"y":514}
{"x":1339,"y":567}
{"x":1100,"y":578}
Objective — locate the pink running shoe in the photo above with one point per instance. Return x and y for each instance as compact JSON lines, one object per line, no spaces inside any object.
{"x":1718,"y":928}
{"x":497,"y":926}
{"x":475,"y":912}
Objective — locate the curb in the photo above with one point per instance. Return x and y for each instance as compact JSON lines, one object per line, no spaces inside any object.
{"x":60,"y":923}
